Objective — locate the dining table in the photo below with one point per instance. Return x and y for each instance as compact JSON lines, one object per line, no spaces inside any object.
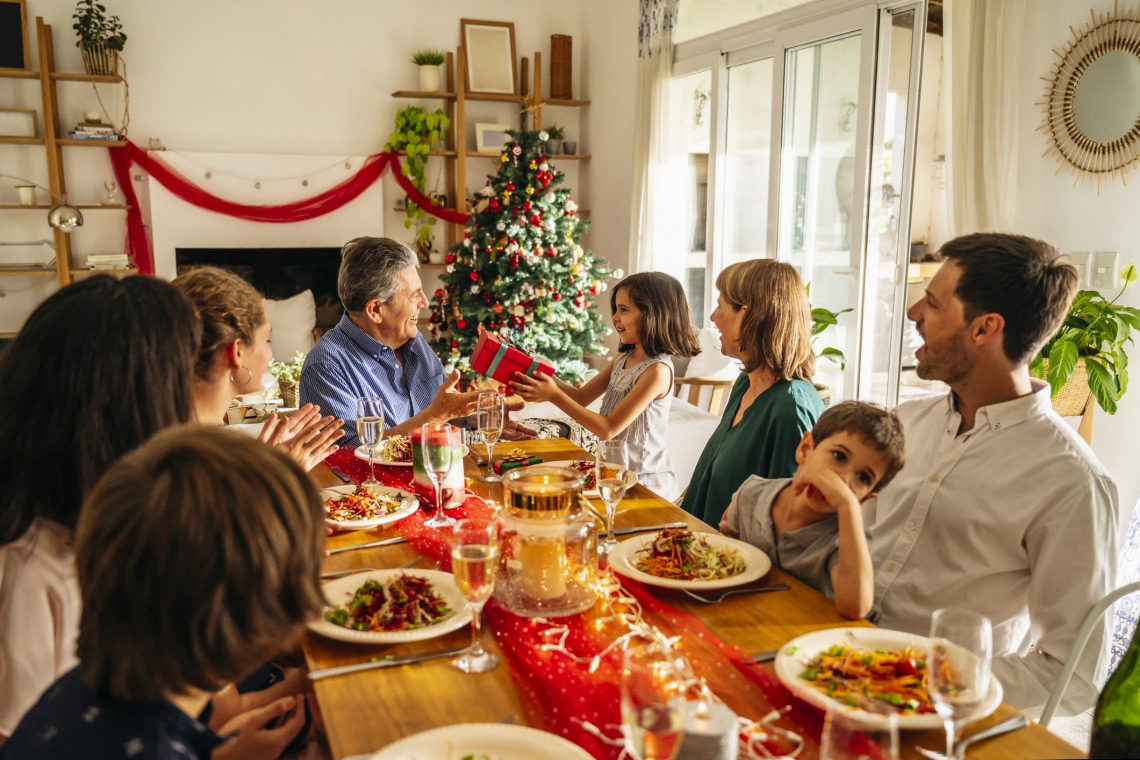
{"x":363,"y":712}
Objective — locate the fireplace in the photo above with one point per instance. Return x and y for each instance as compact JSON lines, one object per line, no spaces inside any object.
{"x":278,"y":273}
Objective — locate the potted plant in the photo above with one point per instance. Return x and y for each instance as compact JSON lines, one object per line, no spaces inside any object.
{"x":288,"y":374}
{"x":1091,"y":342}
{"x":554,"y":135}
{"x":101,"y":37}
{"x":417,"y":133}
{"x":429,"y":60}
{"x":821,"y":319}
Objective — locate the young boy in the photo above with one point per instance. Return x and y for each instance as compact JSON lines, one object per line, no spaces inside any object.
{"x":811,"y":524}
{"x":198,"y":556}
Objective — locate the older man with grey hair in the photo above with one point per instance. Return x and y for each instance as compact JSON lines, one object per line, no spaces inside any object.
{"x":377,"y":350}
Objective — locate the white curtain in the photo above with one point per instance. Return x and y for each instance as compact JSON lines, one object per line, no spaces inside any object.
{"x":982,"y":61}
{"x":654,"y":70}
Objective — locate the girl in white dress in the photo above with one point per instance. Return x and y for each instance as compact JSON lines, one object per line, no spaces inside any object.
{"x":653,"y":322}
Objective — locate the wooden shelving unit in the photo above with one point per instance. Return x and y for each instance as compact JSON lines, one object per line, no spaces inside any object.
{"x":53,"y":143}
{"x":455,"y":99}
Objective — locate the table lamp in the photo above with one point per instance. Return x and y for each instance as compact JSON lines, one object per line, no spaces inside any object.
{"x":62,"y":216}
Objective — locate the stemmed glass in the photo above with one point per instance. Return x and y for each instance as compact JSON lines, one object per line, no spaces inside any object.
{"x":370,"y":428}
{"x":612,"y":475}
{"x":652,"y":701}
{"x":489,"y":418}
{"x":441,"y":445}
{"x":858,"y":736}
{"x":958,"y":667}
{"x":474,"y":550}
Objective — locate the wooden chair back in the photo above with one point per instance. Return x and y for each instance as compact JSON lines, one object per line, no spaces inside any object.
{"x":717,"y":398}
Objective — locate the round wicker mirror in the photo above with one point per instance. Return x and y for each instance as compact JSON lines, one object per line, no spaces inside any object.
{"x":1092,"y":100}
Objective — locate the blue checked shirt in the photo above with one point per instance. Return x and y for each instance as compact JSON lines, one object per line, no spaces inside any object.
{"x":346,"y":364}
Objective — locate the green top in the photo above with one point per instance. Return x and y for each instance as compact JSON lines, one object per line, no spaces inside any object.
{"x":763,"y":443}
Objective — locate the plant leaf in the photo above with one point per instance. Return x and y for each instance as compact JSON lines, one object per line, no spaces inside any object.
{"x":1102,"y":385}
{"x":835,"y":355}
{"x":1062,"y":361}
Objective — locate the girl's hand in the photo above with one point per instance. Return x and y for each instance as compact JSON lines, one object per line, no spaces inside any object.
{"x":536,"y":387}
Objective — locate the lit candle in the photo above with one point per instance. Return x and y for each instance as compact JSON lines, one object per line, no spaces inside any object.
{"x":543,"y":571}
{"x":710,"y":732}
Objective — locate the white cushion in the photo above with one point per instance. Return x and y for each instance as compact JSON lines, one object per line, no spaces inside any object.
{"x":710,"y":362}
{"x":292,"y":321}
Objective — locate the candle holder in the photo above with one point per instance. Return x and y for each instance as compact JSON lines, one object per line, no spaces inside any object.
{"x":548,"y":544}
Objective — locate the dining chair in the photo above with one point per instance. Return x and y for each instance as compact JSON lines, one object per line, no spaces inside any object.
{"x":1095,"y":615}
{"x":717,"y":398}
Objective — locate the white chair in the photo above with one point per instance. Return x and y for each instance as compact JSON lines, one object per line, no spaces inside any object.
{"x":1096,"y":614}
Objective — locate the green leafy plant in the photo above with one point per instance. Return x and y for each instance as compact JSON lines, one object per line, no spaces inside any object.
{"x":555,"y":132}
{"x":417,"y":133}
{"x":821,"y":319}
{"x":288,"y":372}
{"x":429,"y":57}
{"x":1095,"y":331}
{"x":95,"y":28}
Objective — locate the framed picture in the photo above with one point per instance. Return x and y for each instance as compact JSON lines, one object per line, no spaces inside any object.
{"x":490,"y":50}
{"x":14,"y":50}
{"x":491,"y":138}
{"x":18,"y":122}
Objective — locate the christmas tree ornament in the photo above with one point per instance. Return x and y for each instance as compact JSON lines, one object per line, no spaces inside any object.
{"x":529,"y":190}
{"x":544,"y":166}
{"x":501,"y":227}
{"x":557,"y":296}
{"x":551,"y":319}
{"x":474,"y":289}
{"x":571,"y":206}
{"x":450,"y":269}
{"x":618,"y":274}
{"x":544,"y":136}
{"x":497,"y":308}
{"x":549,"y":197}
{"x":487,"y":297}
{"x":461,"y":324}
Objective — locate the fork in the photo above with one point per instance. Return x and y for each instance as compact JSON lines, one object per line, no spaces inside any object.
{"x":1007,"y":725}
{"x":734,"y":591}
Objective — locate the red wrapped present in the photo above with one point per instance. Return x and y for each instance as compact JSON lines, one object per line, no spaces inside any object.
{"x":513,"y":460}
{"x":500,"y":359}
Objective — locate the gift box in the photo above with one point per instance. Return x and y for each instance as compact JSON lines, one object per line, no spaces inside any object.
{"x":509,"y":463}
{"x":498,"y":358}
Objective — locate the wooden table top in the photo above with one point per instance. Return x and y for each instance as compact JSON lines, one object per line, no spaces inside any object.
{"x":363,"y":712}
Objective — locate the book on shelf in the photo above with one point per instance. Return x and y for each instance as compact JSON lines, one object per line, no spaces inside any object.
{"x":93,"y":136}
{"x":86,"y":126}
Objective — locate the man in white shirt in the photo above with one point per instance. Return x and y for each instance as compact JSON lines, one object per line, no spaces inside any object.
{"x":1001,"y":508}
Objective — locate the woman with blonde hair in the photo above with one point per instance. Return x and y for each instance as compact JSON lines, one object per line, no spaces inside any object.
{"x":233,"y":356}
{"x":764,"y":319}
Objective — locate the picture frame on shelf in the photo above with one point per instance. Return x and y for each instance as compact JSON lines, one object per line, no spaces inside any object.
{"x":15,"y":54}
{"x":489,"y":47}
{"x":18,"y":122}
{"x":491,"y":138}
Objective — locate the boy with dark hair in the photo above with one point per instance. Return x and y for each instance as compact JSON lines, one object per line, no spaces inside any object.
{"x":197,"y":555}
{"x":811,"y":525}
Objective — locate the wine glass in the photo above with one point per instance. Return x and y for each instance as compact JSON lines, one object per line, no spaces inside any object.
{"x":855,"y":736}
{"x":474,"y":551}
{"x":652,"y":701}
{"x":958,"y":667}
{"x":489,"y":418}
{"x":370,"y":427}
{"x":612,"y":475}
{"x":441,"y":445}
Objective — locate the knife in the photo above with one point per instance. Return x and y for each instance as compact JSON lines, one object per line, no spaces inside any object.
{"x":373,"y":544}
{"x":646,"y":528}
{"x":341,"y":475}
{"x":387,"y":662}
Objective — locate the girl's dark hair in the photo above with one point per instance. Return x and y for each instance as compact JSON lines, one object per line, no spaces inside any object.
{"x":98,"y":368}
{"x":157,"y":618}
{"x":666,"y":323}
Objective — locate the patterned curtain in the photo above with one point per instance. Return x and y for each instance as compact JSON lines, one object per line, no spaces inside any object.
{"x":654,"y":70}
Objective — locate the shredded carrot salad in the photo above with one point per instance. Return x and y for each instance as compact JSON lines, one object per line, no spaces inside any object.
{"x":396,"y":448}
{"x":361,"y":505}
{"x":680,"y":555}
{"x":588,"y":469}
{"x":872,"y":679}
{"x":406,"y":603}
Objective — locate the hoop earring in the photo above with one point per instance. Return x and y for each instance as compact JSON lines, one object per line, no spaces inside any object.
{"x":249,"y":377}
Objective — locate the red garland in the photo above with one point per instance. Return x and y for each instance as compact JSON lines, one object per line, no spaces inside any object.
{"x":297,"y":211}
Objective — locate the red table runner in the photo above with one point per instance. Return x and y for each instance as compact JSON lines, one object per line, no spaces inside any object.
{"x":567,"y":680}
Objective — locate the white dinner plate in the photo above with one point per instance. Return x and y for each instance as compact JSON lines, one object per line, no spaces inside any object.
{"x":409,"y":504}
{"x":338,"y":592}
{"x":362,"y":453}
{"x":623,"y":557}
{"x":498,"y":740}
{"x":630,"y":475}
{"x":795,"y":656}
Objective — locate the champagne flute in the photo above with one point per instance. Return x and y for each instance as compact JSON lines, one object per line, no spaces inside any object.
{"x":489,"y":418}
{"x":370,"y":427}
{"x":652,"y":701}
{"x":958,"y":667}
{"x":858,"y":736}
{"x":474,"y":551}
{"x":612,"y":475}
{"x":441,"y":445}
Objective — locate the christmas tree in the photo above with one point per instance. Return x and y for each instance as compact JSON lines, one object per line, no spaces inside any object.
{"x":520,"y":268}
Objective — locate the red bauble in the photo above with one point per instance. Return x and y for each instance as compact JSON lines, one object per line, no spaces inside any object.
{"x":552,"y":252}
{"x":527,"y":206}
{"x":449,"y":258}
{"x":455,"y":344}
{"x":557,"y":296}
{"x":494,"y":204}
{"x":593,"y":290}
{"x":474,"y":277}
{"x":510,"y":187}
{"x":487,"y":297}
{"x":438,"y":293}
{"x":497,"y":308}
{"x":461,"y":324}
{"x":514,"y":262}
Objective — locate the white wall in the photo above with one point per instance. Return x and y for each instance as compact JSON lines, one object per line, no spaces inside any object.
{"x":1077,"y":219}
{"x":298,"y":77}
